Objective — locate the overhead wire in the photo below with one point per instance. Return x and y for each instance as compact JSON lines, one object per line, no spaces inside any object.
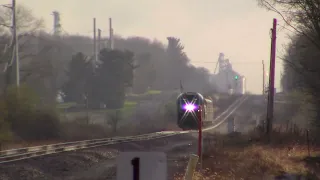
{"x":239,"y":62}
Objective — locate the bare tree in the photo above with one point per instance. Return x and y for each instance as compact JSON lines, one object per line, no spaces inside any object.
{"x":301,"y":68}
{"x":26,"y":21}
{"x":27,"y":28}
{"x":303,"y":16}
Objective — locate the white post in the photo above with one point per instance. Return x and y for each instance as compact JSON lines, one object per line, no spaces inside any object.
{"x":259,"y":121}
{"x":191,"y":167}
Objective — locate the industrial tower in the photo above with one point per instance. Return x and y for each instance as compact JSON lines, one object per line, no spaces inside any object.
{"x":56,"y":23}
{"x":110,"y":43}
{"x":227,"y":79}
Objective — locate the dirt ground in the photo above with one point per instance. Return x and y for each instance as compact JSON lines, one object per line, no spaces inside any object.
{"x":97,"y":163}
{"x":239,"y":157}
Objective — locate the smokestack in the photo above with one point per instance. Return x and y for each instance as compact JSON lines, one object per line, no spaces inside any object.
{"x":99,"y":40}
{"x":111,"y":34}
{"x":56,"y":23}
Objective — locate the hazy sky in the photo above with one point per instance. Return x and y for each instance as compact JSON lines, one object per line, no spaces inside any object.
{"x":238,"y":28}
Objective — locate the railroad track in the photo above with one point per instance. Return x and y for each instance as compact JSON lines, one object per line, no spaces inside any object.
{"x":12,"y":155}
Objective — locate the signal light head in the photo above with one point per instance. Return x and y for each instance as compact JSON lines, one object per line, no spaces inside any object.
{"x":236,"y":77}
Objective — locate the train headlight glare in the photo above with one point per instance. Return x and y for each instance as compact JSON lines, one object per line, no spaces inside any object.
{"x":189,"y":107}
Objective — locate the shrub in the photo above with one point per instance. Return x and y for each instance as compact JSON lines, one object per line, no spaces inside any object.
{"x":5,"y":132}
{"x":71,"y":131}
{"x":45,"y":125}
{"x":27,"y":117}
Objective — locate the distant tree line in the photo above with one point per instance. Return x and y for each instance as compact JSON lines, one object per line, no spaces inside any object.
{"x":50,"y":64}
{"x":53,"y":64}
{"x":121,"y":69}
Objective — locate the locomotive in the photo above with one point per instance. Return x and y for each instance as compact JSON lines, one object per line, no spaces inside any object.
{"x":193,"y":107}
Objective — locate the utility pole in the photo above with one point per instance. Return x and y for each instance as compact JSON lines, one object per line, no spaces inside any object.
{"x":94,"y":44}
{"x":99,"y":40}
{"x":271,"y":79}
{"x":263,"y":78}
{"x":14,"y":63}
{"x":281,"y":85}
{"x":16,"y":43}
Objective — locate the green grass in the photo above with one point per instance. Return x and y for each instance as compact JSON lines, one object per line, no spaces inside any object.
{"x":66,"y":105}
{"x":150,"y":92}
{"x":153,"y":92}
{"x":129,"y":104}
{"x":127,"y":109}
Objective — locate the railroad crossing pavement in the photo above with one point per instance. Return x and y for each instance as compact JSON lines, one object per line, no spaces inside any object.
{"x":107,"y":169}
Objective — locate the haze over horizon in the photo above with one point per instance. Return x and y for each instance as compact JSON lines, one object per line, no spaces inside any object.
{"x":241,"y":30}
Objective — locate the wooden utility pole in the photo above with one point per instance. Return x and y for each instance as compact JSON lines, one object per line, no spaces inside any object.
{"x":13,"y":69}
{"x":94,"y":44}
{"x":16,"y":44}
{"x":94,"y":66}
{"x":271,"y":79}
{"x":263,"y":78}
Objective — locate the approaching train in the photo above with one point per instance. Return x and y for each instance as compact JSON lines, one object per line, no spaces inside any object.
{"x":192,"y":107}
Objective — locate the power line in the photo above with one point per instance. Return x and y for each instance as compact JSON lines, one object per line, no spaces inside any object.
{"x":239,"y":62}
